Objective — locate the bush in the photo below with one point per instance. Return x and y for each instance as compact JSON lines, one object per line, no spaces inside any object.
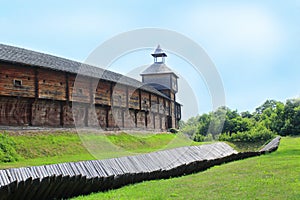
{"x":202,"y":138}
{"x":208,"y":138}
{"x":198,"y":138}
{"x":7,"y":149}
{"x":189,"y":130}
{"x":256,"y":134}
{"x":173,"y":130}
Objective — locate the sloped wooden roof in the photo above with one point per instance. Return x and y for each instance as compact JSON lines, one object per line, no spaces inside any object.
{"x":158,"y":68}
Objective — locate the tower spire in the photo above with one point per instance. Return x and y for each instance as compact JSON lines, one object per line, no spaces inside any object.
{"x":159,"y":55}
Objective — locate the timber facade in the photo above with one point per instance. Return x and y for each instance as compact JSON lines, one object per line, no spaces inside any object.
{"x":37,"y":89}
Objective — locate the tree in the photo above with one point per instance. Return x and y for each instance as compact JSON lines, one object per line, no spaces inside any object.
{"x":267,"y":104}
{"x":271,"y":117}
{"x":291,"y":118}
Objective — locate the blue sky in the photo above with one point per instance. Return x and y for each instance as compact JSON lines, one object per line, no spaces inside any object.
{"x":255,"y":45}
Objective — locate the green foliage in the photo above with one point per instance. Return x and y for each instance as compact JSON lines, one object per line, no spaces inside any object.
{"x":256,"y":134}
{"x":198,"y":138}
{"x":275,"y":116}
{"x":291,"y":118}
{"x":189,"y":130}
{"x":201,"y":138}
{"x":7,"y":149}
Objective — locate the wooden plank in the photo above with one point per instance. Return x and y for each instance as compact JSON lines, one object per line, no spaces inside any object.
{"x":61,"y":114}
{"x":36,"y":83}
{"x":4,"y":180}
{"x":67,"y":86}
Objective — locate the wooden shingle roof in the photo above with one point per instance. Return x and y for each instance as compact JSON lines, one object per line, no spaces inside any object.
{"x":158,"y":68}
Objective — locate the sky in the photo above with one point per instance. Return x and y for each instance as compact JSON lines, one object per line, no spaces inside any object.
{"x":254,"y":45}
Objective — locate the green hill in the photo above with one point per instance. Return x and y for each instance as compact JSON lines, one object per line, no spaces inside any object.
{"x":19,"y":149}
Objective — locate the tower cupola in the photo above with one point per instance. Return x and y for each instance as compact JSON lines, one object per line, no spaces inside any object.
{"x":159,"y":55}
{"x":159,"y":75}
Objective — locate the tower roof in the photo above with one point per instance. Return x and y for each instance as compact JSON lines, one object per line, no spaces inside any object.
{"x":159,"y":52}
{"x":158,"y":68}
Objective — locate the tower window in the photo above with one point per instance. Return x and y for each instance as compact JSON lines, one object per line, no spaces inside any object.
{"x":17,"y":83}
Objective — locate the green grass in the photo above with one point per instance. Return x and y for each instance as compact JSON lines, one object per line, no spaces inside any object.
{"x":271,"y":176}
{"x":40,"y":148}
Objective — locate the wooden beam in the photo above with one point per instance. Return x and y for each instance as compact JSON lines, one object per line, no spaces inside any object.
{"x":36,"y":83}
{"x":31,"y":102}
{"x":149,"y":101}
{"x":157,"y":104}
{"x":86,"y":117}
{"x":153,"y":120}
{"x":160,"y":121}
{"x":67,"y":87}
{"x":140,"y":99}
{"x":91,"y":91}
{"x":111,"y":94}
{"x":61,"y":114}
{"x":107,"y":117}
{"x":146,"y":120}
{"x":123,"y":120}
{"x":127,"y":96}
{"x":135,"y":118}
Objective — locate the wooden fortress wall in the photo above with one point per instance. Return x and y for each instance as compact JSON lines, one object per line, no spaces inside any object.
{"x":33,"y":96}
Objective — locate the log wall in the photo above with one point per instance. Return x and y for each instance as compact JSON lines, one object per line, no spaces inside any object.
{"x":79,"y":88}
{"x":157,"y":121}
{"x":46,"y":113}
{"x":154,"y":103}
{"x":133,"y":98}
{"x":119,"y":96}
{"x":141,"y":119}
{"x":14,"y":111}
{"x":150,"y":120}
{"x":145,"y":100}
{"x":129,"y":119}
{"x":103,"y":93}
{"x":51,"y":84}
{"x":44,"y":97}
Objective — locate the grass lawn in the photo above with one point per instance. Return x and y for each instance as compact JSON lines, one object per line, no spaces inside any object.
{"x":271,"y":176}
{"x":40,"y":148}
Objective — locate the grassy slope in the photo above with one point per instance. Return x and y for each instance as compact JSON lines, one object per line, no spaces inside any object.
{"x":272,"y":176}
{"x":39,"y":148}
